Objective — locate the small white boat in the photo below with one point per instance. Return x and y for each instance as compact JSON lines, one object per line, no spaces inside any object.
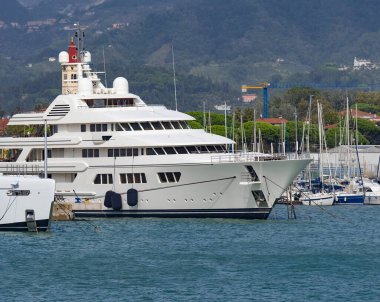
{"x":372,"y":193}
{"x":25,"y":203}
{"x":317,"y":199}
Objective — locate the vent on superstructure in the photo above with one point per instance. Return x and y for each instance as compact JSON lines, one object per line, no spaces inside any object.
{"x":59,"y":110}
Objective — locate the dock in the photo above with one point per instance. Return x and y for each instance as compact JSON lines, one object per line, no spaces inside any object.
{"x":64,"y":211}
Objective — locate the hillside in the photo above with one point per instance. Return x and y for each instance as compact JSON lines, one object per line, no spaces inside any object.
{"x":223,"y":42}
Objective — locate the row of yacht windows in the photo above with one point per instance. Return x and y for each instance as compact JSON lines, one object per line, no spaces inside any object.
{"x":168,"y":125}
{"x":136,"y":178}
{"x":38,"y":154}
{"x":186,"y":150}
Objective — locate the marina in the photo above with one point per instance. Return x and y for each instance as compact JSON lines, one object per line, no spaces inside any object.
{"x":189,"y":151}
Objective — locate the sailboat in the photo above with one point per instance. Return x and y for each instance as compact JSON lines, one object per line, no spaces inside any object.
{"x":319,"y":198}
{"x":353,"y":193}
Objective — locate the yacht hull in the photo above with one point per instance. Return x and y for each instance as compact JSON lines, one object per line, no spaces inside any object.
{"x":42,"y":226}
{"x":217,"y":191}
{"x":25,"y":203}
{"x":254,"y":213}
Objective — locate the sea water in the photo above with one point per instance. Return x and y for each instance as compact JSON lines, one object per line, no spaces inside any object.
{"x":329,"y":254}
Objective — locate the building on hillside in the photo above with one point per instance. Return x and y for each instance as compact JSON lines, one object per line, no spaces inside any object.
{"x":248,"y":98}
{"x":363,"y":64}
{"x":362,"y":114}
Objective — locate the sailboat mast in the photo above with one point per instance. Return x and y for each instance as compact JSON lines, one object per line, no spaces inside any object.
{"x":174,"y":81}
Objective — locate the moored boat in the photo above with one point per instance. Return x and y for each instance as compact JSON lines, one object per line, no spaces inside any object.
{"x":372,"y":192}
{"x":112,"y":155}
{"x":25,"y":203}
{"x":317,"y":199}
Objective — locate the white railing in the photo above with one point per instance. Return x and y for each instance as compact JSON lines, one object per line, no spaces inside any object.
{"x":244,"y":157}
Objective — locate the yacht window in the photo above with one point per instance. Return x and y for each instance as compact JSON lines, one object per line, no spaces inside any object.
{"x":203,"y":149}
{"x":118,"y":127}
{"x":211,"y":148}
{"x":90,"y":103}
{"x":169,"y":150}
{"x":123,"y":152}
{"x":165,"y":177}
{"x":112,"y":127}
{"x":176,"y":125}
{"x":159,"y":151}
{"x":110,"y":152}
{"x":170,"y":177}
{"x":137,"y":178}
{"x":146,"y":126}
{"x":92,"y":127}
{"x":219,"y":148}
{"x":103,"y":179}
{"x":135,"y":126}
{"x":126,"y":127}
{"x":132,"y":152}
{"x":97,"y":179}
{"x":150,"y":151}
{"x":98,"y":127}
{"x":167,"y":125}
{"x":177,"y":176}
{"x":104,"y":127}
{"x":192,"y":149}
{"x":143,"y":178}
{"x":157,"y":125}
{"x":184,"y":125}
{"x":90,"y":152}
{"x":82,"y":128}
{"x":116,"y":153}
{"x":181,"y":150}
{"x":162,"y":177}
{"x":54,"y":129}
{"x":132,"y":178}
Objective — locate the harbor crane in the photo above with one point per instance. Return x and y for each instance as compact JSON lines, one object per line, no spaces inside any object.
{"x":264,"y":86}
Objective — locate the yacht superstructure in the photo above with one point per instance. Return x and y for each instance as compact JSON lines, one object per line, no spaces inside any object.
{"x":107,"y":147}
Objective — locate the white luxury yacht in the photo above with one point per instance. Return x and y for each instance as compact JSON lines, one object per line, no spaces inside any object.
{"x":112,"y":155}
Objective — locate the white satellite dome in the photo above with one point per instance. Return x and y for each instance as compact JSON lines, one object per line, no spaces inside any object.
{"x":86,"y":57}
{"x":120,"y":85}
{"x":63,"y":57}
{"x":85,"y":86}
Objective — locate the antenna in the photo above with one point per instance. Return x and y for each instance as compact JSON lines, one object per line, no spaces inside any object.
{"x":45,"y":150}
{"x":104,"y":67}
{"x":79,"y":34}
{"x":174,"y":80}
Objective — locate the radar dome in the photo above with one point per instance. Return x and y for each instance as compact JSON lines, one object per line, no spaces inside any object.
{"x":63,"y":57}
{"x":120,"y":85}
{"x":85,"y":86}
{"x":86,"y":57}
